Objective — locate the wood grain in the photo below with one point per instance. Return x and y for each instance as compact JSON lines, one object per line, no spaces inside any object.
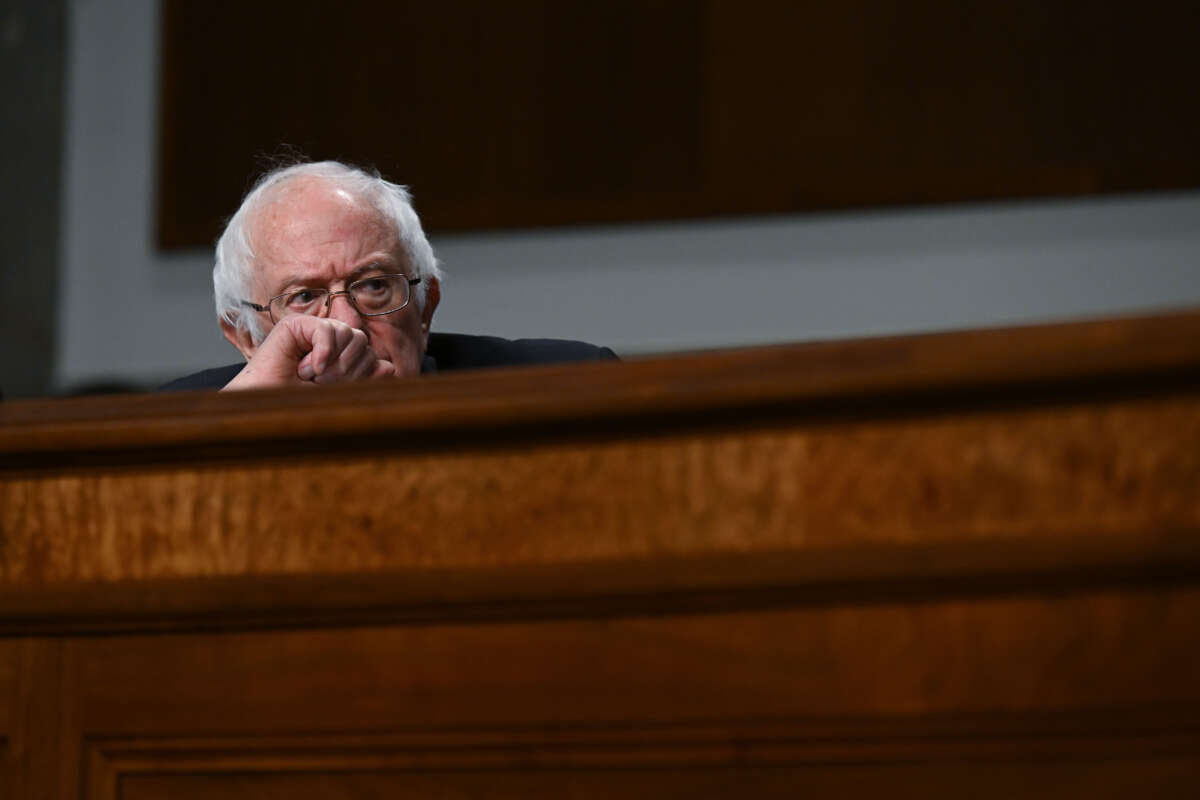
{"x":1161,"y":776}
{"x":9,"y":715}
{"x":44,"y":744}
{"x":949,"y":565}
{"x":922,"y":374}
{"x":1018,"y":751}
{"x":956,"y":440}
{"x":1074,"y":471}
{"x":915,"y":690}
{"x":1136,"y":649}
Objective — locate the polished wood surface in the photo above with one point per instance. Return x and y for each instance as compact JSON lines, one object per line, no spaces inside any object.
{"x":963,"y":563}
{"x":700,"y":391}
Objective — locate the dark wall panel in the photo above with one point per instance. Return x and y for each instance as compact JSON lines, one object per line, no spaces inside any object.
{"x":543,"y":112}
{"x":33,"y":36}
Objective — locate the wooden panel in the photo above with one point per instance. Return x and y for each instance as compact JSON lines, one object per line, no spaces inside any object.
{"x":43,"y":750}
{"x":921,"y":692}
{"x":1082,"y":471}
{"x":1045,"y":759}
{"x":1124,"y":777}
{"x":930,"y":565}
{"x":860,"y":469}
{"x":460,"y":98}
{"x":9,"y":704}
{"x":549,"y":112}
{"x":1009,"y":653}
{"x":8,"y":685}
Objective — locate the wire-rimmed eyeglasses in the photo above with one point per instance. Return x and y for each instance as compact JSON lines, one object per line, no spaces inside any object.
{"x":371,"y":297}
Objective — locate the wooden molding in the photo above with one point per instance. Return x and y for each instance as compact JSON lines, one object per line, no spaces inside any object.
{"x":1007,"y":743}
{"x":818,"y":577}
{"x":701,"y":391}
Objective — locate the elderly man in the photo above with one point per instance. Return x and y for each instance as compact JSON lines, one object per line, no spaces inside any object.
{"x":324,"y":275}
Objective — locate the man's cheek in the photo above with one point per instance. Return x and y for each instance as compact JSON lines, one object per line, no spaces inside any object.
{"x":407,"y":362}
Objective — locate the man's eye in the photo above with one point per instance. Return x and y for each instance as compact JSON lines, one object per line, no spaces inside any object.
{"x":373,"y":285}
{"x":301,"y":298}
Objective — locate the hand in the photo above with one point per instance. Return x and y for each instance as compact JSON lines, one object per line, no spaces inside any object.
{"x":302,"y":350}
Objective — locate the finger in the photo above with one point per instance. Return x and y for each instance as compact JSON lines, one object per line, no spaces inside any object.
{"x":325,"y":347}
{"x":368,"y":364}
{"x":360,"y":369}
{"x":336,"y":336}
{"x":343,"y":336}
{"x":383,"y":369}
{"x":346,"y":366}
{"x":322,"y":347}
{"x":304,"y":369}
{"x":364,"y":364}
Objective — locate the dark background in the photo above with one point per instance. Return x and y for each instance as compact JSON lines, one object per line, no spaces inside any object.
{"x":548,"y":112}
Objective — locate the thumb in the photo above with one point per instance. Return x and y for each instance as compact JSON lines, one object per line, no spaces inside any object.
{"x":383,"y":369}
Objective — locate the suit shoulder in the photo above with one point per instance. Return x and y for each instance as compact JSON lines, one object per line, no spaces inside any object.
{"x":461,"y":351}
{"x":215,"y":378}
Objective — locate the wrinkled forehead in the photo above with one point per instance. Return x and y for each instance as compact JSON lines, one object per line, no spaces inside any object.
{"x":309,"y":221}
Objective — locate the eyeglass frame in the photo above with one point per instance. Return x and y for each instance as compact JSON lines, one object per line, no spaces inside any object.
{"x":332,"y":294}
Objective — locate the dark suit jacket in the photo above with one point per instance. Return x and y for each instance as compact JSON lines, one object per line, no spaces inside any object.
{"x":447,"y":352}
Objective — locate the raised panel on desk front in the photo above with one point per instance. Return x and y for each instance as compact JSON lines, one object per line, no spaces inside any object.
{"x":1131,"y":776}
{"x":41,"y":752}
{"x":1036,"y":691}
{"x":9,"y":703}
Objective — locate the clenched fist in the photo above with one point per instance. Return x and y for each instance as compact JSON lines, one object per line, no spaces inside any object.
{"x":305,"y":350}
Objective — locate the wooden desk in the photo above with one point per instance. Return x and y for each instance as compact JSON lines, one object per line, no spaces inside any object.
{"x":952,"y":565}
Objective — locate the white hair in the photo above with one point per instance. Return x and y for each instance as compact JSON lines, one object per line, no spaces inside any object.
{"x":233,"y":269}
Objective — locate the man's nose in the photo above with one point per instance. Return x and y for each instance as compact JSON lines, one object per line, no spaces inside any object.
{"x":339,"y":307}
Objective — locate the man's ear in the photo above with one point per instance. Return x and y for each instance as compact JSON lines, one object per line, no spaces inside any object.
{"x":433,"y":293}
{"x":239,"y":338}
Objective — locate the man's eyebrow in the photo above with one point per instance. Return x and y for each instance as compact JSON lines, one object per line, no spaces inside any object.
{"x":293,"y":280}
{"x":382,"y":261}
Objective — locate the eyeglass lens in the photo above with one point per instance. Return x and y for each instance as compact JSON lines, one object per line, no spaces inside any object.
{"x":380,"y":294}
